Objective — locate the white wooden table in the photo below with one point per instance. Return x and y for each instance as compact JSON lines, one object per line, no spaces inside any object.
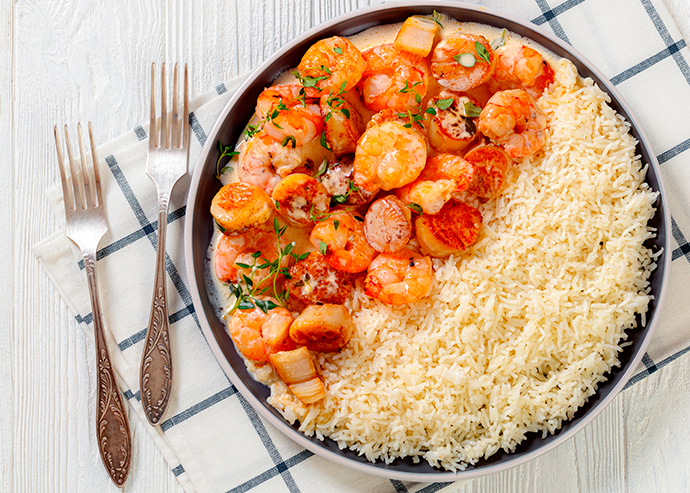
{"x":62,"y":61}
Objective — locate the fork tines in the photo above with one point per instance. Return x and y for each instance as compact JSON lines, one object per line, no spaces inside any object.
{"x":76,"y":188}
{"x":175,"y":133}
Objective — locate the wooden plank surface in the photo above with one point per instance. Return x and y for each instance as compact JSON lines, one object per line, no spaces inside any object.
{"x":82,"y":59}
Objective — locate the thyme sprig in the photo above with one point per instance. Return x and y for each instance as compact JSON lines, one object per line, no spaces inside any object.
{"x":247,"y":292}
{"x":225,"y":151}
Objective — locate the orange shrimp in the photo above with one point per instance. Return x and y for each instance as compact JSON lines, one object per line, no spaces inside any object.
{"x":393,"y":79}
{"x":430,"y":195}
{"x":449,"y":167}
{"x":340,"y":238}
{"x":332,"y":62}
{"x":513,"y":119}
{"x":452,"y":230}
{"x":286,"y":115}
{"x":258,"y":335}
{"x":388,"y":224}
{"x":521,"y":67}
{"x":388,"y":156}
{"x":342,"y":124}
{"x":241,"y":249}
{"x":463,"y":61}
{"x":491,"y":165}
{"x":399,"y":278}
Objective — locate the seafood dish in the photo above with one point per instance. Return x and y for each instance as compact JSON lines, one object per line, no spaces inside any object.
{"x":430,"y":241}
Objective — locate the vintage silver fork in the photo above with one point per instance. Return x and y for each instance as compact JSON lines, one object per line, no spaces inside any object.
{"x":167,"y":163}
{"x":86,"y":224}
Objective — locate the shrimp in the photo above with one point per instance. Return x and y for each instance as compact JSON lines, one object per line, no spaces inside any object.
{"x":427,"y":194}
{"x":452,"y":230}
{"x":298,"y":197}
{"x":312,"y":280}
{"x":257,"y":334}
{"x":323,"y":328}
{"x":521,"y":67}
{"x":342,"y":124}
{"x":388,"y":224}
{"x":264,"y":161}
{"x":393,"y":79}
{"x":388,"y":156}
{"x":340,"y":238}
{"x":338,"y":181}
{"x":449,"y":167}
{"x":491,"y":165}
{"x":239,"y":207}
{"x":287,"y":116}
{"x":513,"y":119}
{"x":452,"y":128}
{"x":332,"y":63}
{"x":463,"y":61}
{"x":241,"y":249}
{"x":399,"y":278}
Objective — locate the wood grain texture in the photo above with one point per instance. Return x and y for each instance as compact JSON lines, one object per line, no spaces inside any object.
{"x":77,"y":59}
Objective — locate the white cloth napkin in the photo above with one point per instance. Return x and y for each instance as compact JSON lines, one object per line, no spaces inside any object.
{"x":212,"y":439}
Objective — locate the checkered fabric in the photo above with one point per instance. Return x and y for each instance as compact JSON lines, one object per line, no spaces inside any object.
{"x":212,"y":439}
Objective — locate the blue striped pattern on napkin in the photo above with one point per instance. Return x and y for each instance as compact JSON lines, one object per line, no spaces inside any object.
{"x":212,"y":438}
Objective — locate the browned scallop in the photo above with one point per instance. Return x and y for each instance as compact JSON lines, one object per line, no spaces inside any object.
{"x":491,"y":164}
{"x":342,"y":124}
{"x":239,"y":207}
{"x":388,"y":224}
{"x":323,"y":328}
{"x":337,"y":179}
{"x":298,"y":197}
{"x":452,"y":230}
{"x":313,"y":281}
{"x":454,"y":127}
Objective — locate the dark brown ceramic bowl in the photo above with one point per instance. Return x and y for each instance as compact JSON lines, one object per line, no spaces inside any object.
{"x":199,"y":228}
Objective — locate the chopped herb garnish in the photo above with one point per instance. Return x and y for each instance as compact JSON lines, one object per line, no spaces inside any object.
{"x":431,"y":111}
{"x":248,"y":290}
{"x":416,"y":207}
{"x":338,"y":50}
{"x":336,"y":224}
{"x":309,"y":81}
{"x":324,"y":142}
{"x":466,"y":59}
{"x":498,"y":42}
{"x":323,"y":248}
{"x":483,"y":52}
{"x":444,"y":104}
{"x":221,"y":228}
{"x":471,"y":110}
{"x":322,"y":168}
{"x":288,"y":139}
{"x":225,"y":151}
{"x":436,"y":17}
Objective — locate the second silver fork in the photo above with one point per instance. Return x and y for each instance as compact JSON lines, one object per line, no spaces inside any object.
{"x":167,"y":163}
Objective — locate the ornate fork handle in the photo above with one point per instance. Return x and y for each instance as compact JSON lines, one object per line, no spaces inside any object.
{"x":156,"y":363}
{"x":112,"y":427}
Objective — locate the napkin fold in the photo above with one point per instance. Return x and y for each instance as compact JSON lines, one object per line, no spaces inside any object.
{"x":212,"y":438}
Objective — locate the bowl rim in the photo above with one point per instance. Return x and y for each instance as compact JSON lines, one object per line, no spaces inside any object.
{"x":576,"y":57}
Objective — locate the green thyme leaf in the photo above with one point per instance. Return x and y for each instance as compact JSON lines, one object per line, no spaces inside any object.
{"x":498,"y":42}
{"x":324,"y":142}
{"x":288,"y":139}
{"x":466,"y":59}
{"x":471,"y":110}
{"x":483,"y":52}
{"x":431,"y":111}
{"x":444,"y":104}
{"x":416,"y":207}
{"x":322,"y":168}
{"x":221,"y":228}
{"x":323,"y":248}
{"x":338,"y":50}
{"x":345,"y":112}
{"x":336,"y":224}
{"x":246,"y":305}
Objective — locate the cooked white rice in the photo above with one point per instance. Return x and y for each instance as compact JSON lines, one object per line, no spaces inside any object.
{"x":517,"y":332}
